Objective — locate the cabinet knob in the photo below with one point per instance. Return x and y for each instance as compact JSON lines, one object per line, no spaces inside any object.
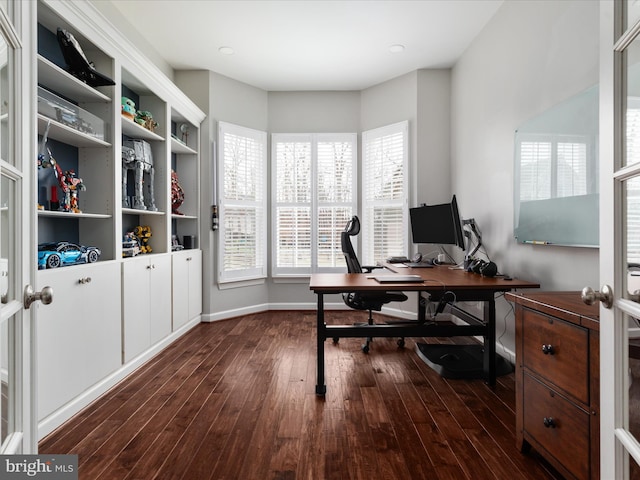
{"x":549,"y":422}
{"x":548,"y":349}
{"x":84,"y":280}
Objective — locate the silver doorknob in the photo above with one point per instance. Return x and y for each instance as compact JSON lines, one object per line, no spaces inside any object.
{"x":45,"y":296}
{"x":605,"y":295}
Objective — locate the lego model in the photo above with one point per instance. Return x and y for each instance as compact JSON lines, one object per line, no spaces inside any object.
{"x":177,"y":194}
{"x":175,"y":244}
{"x":143,"y":234}
{"x":68,"y":182}
{"x":137,"y":156}
{"x":70,"y":185}
{"x":130,"y":245}
{"x":70,"y":118}
{"x":57,"y":254}
{"x":77,"y":62}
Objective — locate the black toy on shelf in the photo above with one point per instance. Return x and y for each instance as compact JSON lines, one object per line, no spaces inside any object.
{"x":77,"y":62}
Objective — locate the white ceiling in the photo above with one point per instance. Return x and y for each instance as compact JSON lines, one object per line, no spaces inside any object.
{"x":309,"y":44}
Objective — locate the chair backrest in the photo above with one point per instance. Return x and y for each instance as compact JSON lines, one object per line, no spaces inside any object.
{"x":351,"y":229}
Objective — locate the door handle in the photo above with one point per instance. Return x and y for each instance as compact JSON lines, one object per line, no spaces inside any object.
{"x":605,"y":295}
{"x":45,"y":296}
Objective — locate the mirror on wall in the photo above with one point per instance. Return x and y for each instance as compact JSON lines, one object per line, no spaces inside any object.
{"x":556,"y":174}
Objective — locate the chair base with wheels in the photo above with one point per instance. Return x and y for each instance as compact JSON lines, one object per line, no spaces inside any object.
{"x":364,"y":300}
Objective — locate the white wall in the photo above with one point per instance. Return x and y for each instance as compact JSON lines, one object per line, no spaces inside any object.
{"x":530,"y":57}
{"x":223,"y":99}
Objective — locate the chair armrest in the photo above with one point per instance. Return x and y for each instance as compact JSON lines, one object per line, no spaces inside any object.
{"x":369,"y":268}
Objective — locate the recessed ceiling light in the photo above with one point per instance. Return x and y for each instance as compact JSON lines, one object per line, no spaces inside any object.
{"x":226,"y":50}
{"x":397,"y":48}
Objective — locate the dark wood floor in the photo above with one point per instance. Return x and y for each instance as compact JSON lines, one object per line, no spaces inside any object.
{"x":236,"y":400}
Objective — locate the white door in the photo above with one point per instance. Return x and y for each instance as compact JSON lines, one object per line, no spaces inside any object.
{"x":620,"y":239}
{"x":17,"y":255}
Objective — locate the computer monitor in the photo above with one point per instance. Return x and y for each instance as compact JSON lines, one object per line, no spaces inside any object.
{"x":437,"y":224}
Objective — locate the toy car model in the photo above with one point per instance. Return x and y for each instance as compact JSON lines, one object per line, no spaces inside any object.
{"x":57,"y":254}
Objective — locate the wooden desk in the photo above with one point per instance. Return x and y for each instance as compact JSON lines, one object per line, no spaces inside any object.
{"x":439,"y":283}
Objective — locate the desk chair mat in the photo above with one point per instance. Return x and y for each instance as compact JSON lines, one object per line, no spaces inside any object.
{"x":459,"y":361}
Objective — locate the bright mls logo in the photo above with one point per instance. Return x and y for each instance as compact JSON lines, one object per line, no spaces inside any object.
{"x":50,"y":467}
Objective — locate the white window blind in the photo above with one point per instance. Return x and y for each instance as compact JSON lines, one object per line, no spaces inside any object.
{"x":633,"y":186}
{"x":314,"y":197}
{"x":242,"y":203}
{"x":385,"y":158}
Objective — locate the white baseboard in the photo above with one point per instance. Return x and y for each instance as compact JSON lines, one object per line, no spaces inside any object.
{"x":64,"y":413}
{"x":265,"y":307}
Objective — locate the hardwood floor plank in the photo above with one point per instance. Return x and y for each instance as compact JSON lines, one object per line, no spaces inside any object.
{"x":236,"y":399}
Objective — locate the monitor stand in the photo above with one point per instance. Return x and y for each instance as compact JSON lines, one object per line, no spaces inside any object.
{"x":459,"y":361}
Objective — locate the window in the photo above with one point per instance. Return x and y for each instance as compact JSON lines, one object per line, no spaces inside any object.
{"x":242,"y":188}
{"x":314,"y":193}
{"x":385,"y":159}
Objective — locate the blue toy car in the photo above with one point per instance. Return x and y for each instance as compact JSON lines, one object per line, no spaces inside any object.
{"x":59,"y":254}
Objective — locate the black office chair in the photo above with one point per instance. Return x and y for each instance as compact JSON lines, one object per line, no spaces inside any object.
{"x":363,"y":300}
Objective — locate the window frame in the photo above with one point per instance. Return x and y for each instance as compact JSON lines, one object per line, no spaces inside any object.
{"x":314,"y":204}
{"x":258,"y":271}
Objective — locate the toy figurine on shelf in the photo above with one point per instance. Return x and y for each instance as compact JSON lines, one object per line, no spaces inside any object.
{"x":41,"y":159}
{"x":145,"y":119}
{"x":68,"y":182}
{"x":71,"y":186}
{"x":78,"y":64}
{"x":177,"y":194}
{"x":143,"y":234}
{"x":175,"y":244}
{"x":130,"y":245}
{"x":137,"y":156}
{"x":128,"y":108}
{"x":184,"y":130}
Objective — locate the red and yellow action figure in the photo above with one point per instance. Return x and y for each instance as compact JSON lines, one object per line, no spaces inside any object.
{"x":68,"y":182}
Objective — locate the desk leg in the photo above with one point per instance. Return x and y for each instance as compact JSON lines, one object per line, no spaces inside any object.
{"x":490,"y":341}
{"x":422,"y":308}
{"x":321,"y":388}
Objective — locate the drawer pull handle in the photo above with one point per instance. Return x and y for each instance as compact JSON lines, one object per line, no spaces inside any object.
{"x":549,"y":422}
{"x":548,"y":349}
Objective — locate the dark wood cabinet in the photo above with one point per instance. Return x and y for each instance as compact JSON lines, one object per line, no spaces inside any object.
{"x":557,"y":380}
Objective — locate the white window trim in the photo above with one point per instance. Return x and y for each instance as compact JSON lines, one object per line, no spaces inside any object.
{"x":258,"y":271}
{"x":314,"y":139}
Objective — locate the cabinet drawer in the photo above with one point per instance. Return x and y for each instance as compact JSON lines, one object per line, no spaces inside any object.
{"x":568,"y":439}
{"x":557,"y":351}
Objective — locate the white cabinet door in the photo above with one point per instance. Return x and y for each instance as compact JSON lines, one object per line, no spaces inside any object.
{"x":146,"y":294}
{"x":187,"y":286}
{"x":194,"y":261}
{"x":135,"y":306}
{"x":79,"y":334}
{"x":160,"y":299}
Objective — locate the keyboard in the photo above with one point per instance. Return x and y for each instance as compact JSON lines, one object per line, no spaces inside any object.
{"x":418,"y":265}
{"x":398,"y":278}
